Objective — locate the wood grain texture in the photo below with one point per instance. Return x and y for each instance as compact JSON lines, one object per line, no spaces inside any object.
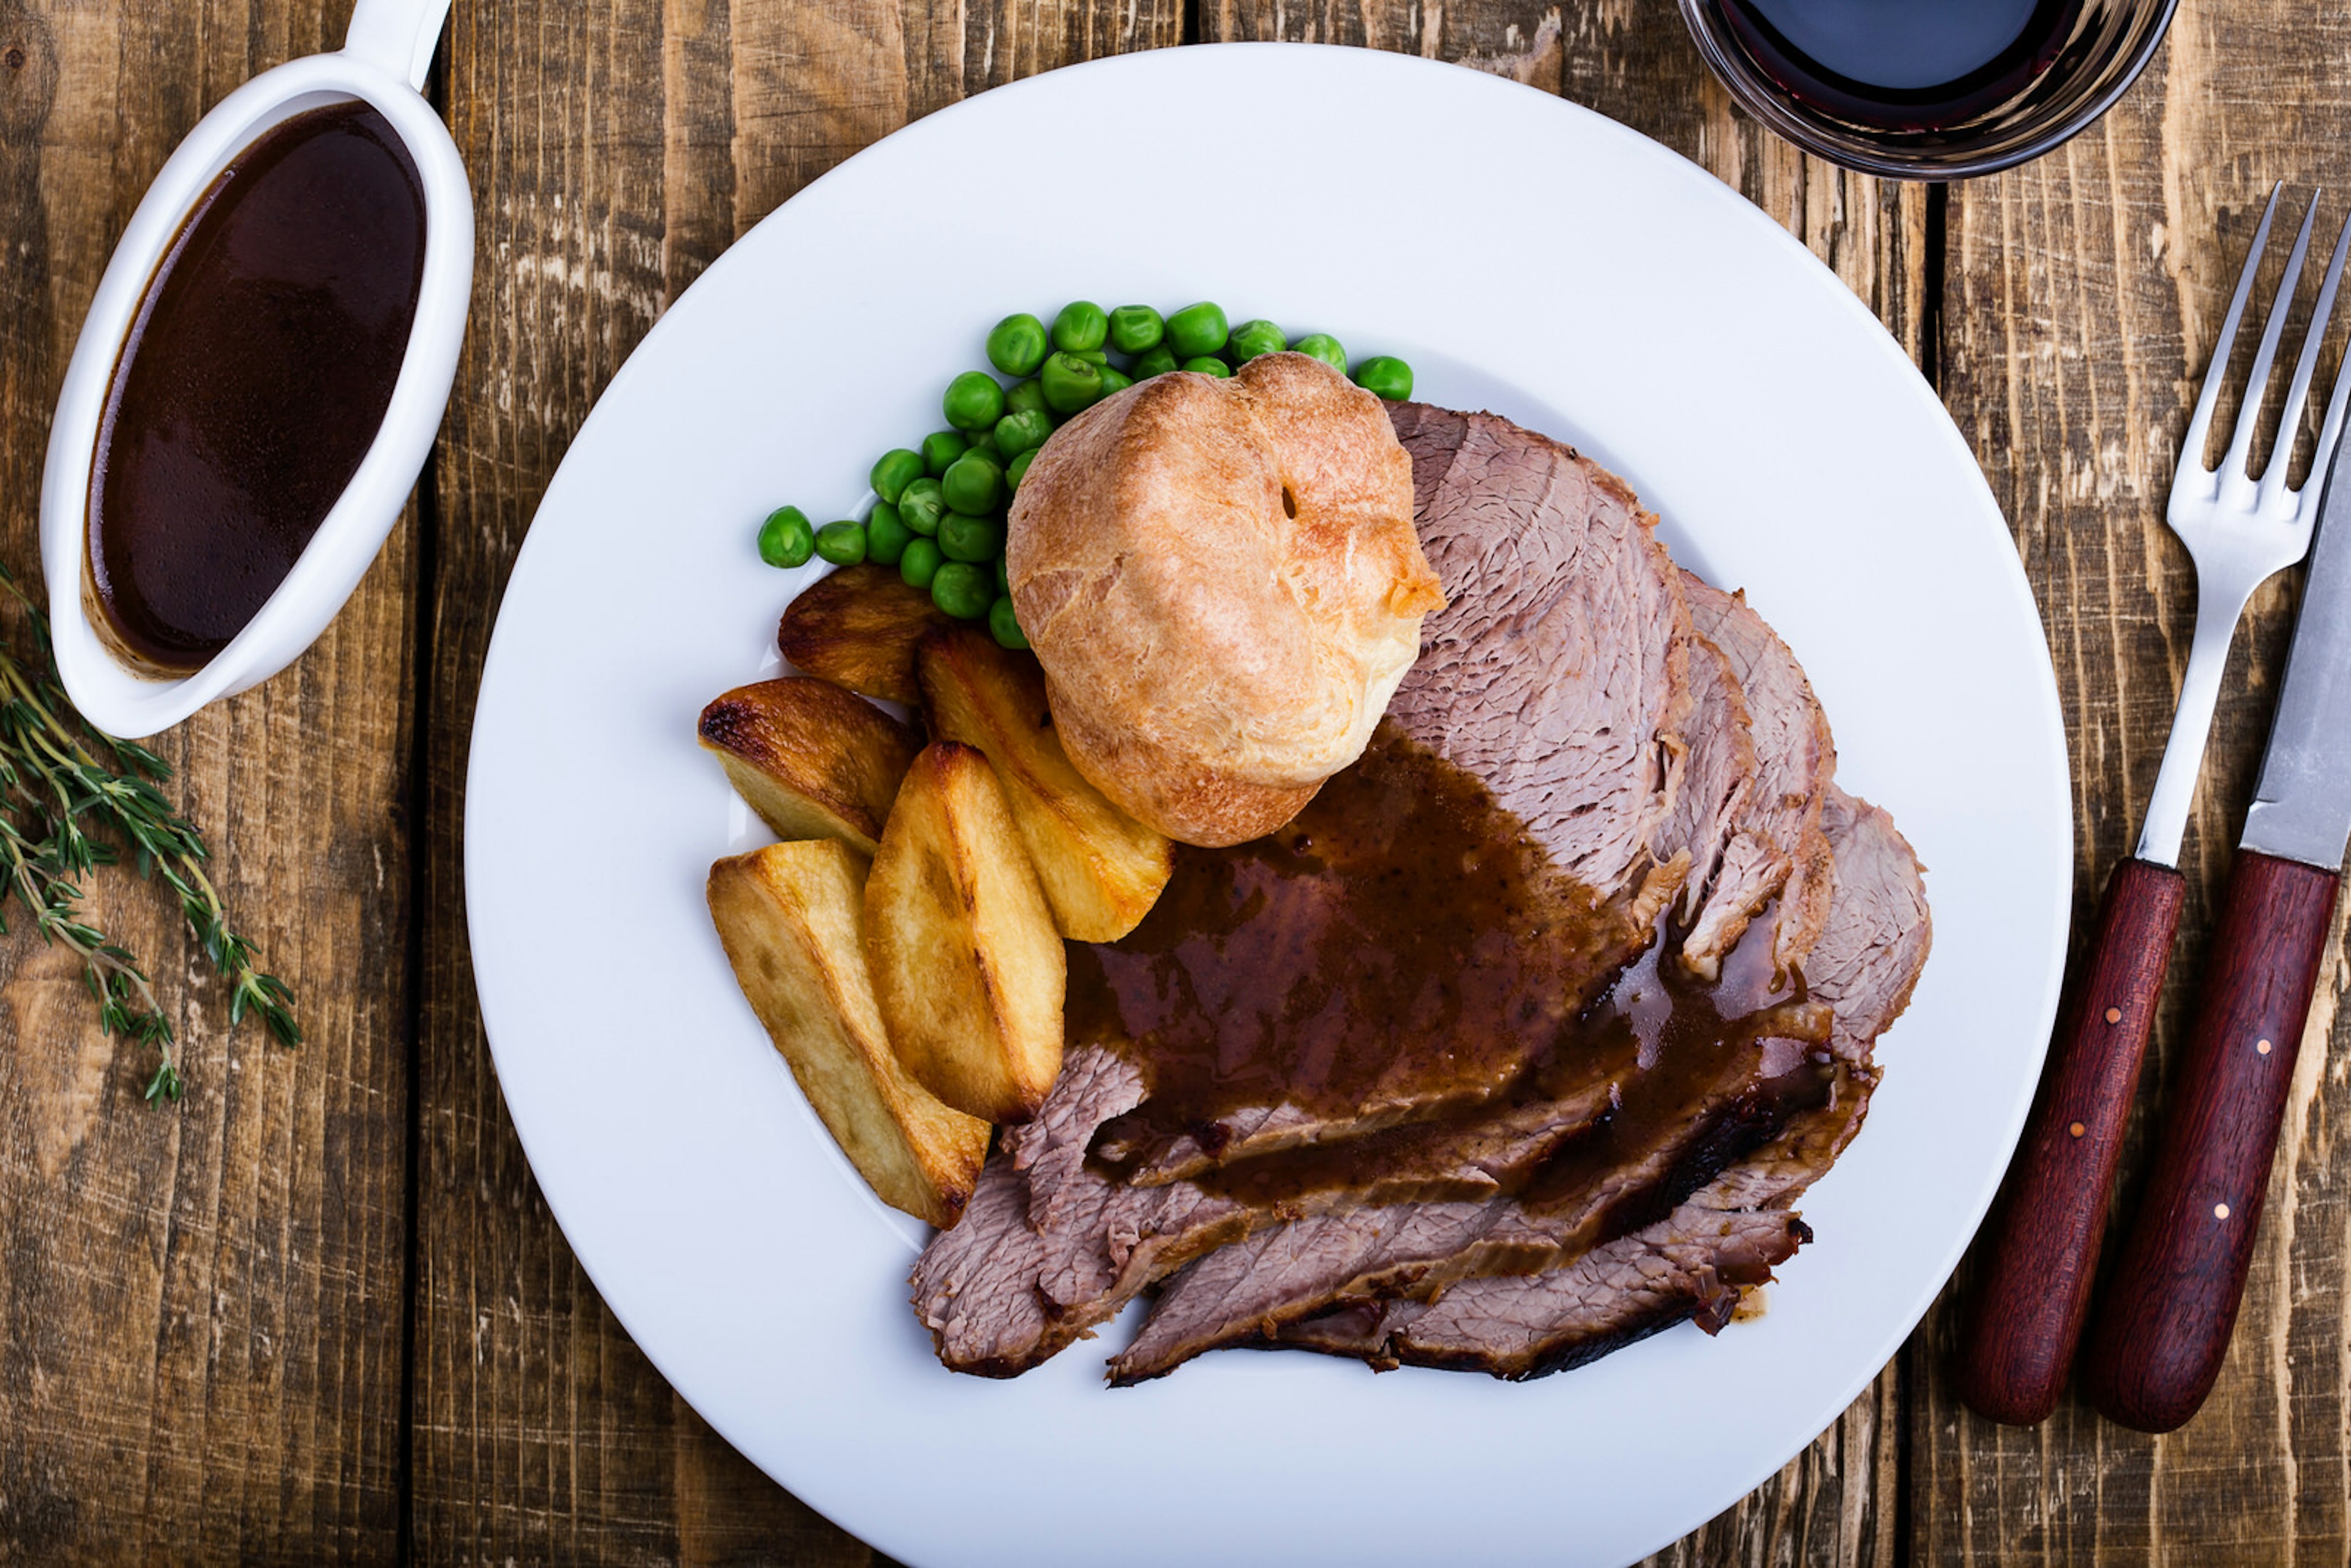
{"x":2083,"y":294}
{"x":200,"y":1306}
{"x":617,"y":146}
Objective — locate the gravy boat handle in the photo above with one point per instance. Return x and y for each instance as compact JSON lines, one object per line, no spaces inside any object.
{"x":397,"y":36}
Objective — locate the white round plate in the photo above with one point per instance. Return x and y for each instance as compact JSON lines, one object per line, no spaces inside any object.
{"x":1524,"y":254}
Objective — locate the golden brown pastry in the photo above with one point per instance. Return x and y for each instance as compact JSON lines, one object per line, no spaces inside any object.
{"x":1221,"y":580}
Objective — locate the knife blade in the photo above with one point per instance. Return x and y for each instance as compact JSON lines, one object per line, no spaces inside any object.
{"x":2302,"y":807}
{"x":2162,"y":1329}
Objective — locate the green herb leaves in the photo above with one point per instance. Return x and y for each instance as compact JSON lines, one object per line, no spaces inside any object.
{"x":53,"y":790}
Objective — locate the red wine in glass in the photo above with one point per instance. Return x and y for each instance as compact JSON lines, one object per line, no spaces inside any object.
{"x":1902,"y":65}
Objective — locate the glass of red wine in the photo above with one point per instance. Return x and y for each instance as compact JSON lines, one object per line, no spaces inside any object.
{"x":1928,"y":90}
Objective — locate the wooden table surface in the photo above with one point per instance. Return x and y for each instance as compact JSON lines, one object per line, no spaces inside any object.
{"x":320,"y":1311}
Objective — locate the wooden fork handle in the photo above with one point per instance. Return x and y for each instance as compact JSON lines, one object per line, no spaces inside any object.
{"x":2163,"y":1327}
{"x":2041,"y":1250}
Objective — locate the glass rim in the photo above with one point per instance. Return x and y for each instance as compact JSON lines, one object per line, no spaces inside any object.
{"x":1737,"y":73}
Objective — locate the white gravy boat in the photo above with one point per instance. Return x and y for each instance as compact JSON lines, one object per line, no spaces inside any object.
{"x":383,"y":61}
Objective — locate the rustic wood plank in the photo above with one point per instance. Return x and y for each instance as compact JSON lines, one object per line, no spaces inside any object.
{"x":1834,"y":1503}
{"x":2084,"y":291}
{"x":617,"y":146}
{"x":200,"y":1347}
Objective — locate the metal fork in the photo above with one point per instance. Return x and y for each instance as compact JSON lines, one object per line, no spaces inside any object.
{"x":2241,"y":529}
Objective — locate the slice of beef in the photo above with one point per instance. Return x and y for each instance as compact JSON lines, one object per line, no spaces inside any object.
{"x":1558,"y":673}
{"x":1694,"y":1263}
{"x":1710,"y":807}
{"x":1682,"y":1123}
{"x":1050,"y":1246}
{"x":1776,"y":849}
{"x":1865,"y":965}
{"x":1041,"y":1232}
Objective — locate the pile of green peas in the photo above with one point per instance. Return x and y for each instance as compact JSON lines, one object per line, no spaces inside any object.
{"x":940,"y":511}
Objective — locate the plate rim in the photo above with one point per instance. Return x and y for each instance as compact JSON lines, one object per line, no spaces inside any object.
{"x":2046,"y":696}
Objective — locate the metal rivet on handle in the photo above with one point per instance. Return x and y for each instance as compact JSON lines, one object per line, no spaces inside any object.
{"x":2219,"y":1211}
{"x":2262,"y":1046}
{"x":2113,"y":1015}
{"x":2077,"y":1129}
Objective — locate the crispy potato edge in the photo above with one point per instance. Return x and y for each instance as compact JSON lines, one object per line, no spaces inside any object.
{"x":788,"y":916}
{"x":1100,"y":870}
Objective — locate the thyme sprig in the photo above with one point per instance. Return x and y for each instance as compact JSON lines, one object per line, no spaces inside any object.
{"x":53,"y":790}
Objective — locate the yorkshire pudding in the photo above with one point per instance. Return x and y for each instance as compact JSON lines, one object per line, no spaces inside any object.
{"x":1222,"y":581}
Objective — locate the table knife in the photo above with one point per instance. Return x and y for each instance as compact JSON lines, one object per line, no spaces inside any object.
{"x":2162,"y":1327}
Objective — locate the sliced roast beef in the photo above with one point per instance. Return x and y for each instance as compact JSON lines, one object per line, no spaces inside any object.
{"x":1050,"y":1246}
{"x":1683,"y":1120}
{"x":1710,"y":807}
{"x":1558,"y":675}
{"x":1558,"y":670}
{"x":1865,"y":965}
{"x":1693,"y":1263}
{"x":1541,"y":1222}
{"x":1776,"y":849}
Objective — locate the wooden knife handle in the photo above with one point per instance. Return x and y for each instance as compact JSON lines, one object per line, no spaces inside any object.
{"x":2163,"y":1326}
{"x":2041,"y":1250}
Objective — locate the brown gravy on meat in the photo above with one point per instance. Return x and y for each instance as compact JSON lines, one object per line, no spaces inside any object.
{"x":1404,"y":941}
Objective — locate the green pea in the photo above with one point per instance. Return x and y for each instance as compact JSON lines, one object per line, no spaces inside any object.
{"x":922,"y":505}
{"x":1021,"y":433}
{"x":1386,"y":375}
{"x":1071,"y":383}
{"x":1004,"y":625}
{"x":1025,"y":398}
{"x":1017,"y":346}
{"x":843,"y":544}
{"x":1136,"y":329}
{"x":920,"y":562}
{"x":974,"y":485}
{"x":887,"y":534}
{"x":970,"y":539}
{"x":1114,"y":381}
{"x":785,"y":538}
{"x":1197,"y":329}
{"x":1324,"y":347}
{"x":1208,"y":365}
{"x":1080,"y":325}
{"x":1020,"y":469}
{"x":1251,"y":339}
{"x":961,"y":589}
{"x":894,"y":471}
{"x":940,"y":448}
{"x":1093,"y":356}
{"x":1151,"y":362}
{"x":974,"y":401}
{"x":984,"y":444}
{"x":1003,"y":574}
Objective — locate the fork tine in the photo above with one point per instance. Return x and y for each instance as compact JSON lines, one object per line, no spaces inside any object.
{"x":2281,"y":462}
{"x":2200,"y":425}
{"x":2239,"y":459}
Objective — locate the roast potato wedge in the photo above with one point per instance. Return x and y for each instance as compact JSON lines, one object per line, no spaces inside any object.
{"x":791,"y":918}
{"x":813,"y":760}
{"x":968,"y":966}
{"x":857,"y":628}
{"x":1100,"y":868}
